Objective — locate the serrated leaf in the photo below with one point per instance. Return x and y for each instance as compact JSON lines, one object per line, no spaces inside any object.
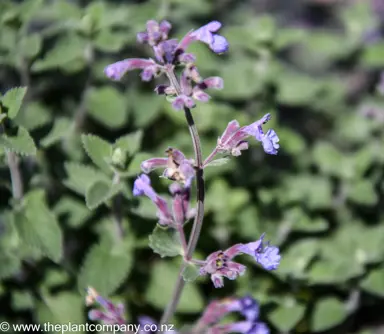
{"x":13,"y":100}
{"x":81,"y":177}
{"x":64,"y":308}
{"x":38,"y":228}
{"x":97,"y":193}
{"x":162,"y":283}
{"x":105,"y":267}
{"x":98,"y":150}
{"x":165,"y":241}
{"x":61,"y":128}
{"x":218,"y":162}
{"x":107,"y":105}
{"x":374,"y":282}
{"x":327,"y":313}
{"x":22,"y":143}
{"x":190,"y":272}
{"x":286,"y":315}
{"x":77,"y":212}
{"x":130,"y":143}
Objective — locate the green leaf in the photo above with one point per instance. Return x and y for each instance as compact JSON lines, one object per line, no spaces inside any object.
{"x":81,"y":177}
{"x":107,"y":105}
{"x":13,"y":100}
{"x":286,"y":315}
{"x":165,"y":241}
{"x":10,"y":264}
{"x":75,"y":210}
{"x":105,"y":267}
{"x":63,"y":308}
{"x":22,"y":300}
{"x":38,"y":227}
{"x":30,"y":45}
{"x":110,"y":41}
{"x":22,"y":143}
{"x":296,"y":89}
{"x":98,"y":150}
{"x":373,"y":55}
{"x":374,"y":282}
{"x":61,"y":129}
{"x":145,"y":107}
{"x":130,"y":143}
{"x":190,"y":272}
{"x":362,"y":192}
{"x":328,"y":312}
{"x":68,"y":50}
{"x":32,"y":116}
{"x":297,"y":257}
{"x":97,"y":193}
{"x":162,"y":283}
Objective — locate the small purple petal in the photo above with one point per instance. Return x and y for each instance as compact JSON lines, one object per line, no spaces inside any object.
{"x":218,"y":281}
{"x":142,"y":186}
{"x":270,"y":258}
{"x":219,"y":44}
{"x":205,"y":34}
{"x":200,"y":95}
{"x":231,"y":128}
{"x":212,"y":82}
{"x":178,"y":103}
{"x":142,"y":37}
{"x":270,"y":142}
{"x":116,"y":70}
{"x":187,"y":58}
{"x":148,"y":165}
{"x":165,"y":27}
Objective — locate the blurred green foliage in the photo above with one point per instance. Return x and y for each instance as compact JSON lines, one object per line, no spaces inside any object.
{"x":320,"y":199}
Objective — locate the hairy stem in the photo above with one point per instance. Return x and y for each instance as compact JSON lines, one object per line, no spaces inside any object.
{"x":17,"y":181}
{"x":180,"y":230}
{"x":198,"y":222}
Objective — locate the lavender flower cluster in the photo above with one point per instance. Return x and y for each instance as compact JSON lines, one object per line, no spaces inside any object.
{"x":169,"y":55}
{"x":208,"y":323}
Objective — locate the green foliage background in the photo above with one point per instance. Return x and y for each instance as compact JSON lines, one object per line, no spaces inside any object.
{"x":320,"y":199}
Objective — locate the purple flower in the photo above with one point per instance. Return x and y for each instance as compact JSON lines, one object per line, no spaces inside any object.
{"x":180,"y":212}
{"x":181,"y":203}
{"x":142,"y":186}
{"x":217,"y":310}
{"x":155,"y":32}
{"x":246,"y":327}
{"x":219,"y":265}
{"x":269,"y":140}
{"x":247,"y":306}
{"x":268,"y":256}
{"x":233,"y":139}
{"x":112,"y":314}
{"x":207,"y":34}
{"x":177,"y":166}
{"x":117,"y":70}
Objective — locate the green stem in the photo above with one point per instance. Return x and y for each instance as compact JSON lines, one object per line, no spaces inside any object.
{"x":198,"y":222}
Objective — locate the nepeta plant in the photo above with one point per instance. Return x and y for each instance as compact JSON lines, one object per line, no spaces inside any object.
{"x":182,"y":90}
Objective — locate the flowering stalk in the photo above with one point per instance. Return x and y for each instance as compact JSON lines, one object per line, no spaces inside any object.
{"x":183,"y":92}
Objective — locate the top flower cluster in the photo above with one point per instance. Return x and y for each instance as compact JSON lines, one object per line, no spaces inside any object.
{"x":169,"y":53}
